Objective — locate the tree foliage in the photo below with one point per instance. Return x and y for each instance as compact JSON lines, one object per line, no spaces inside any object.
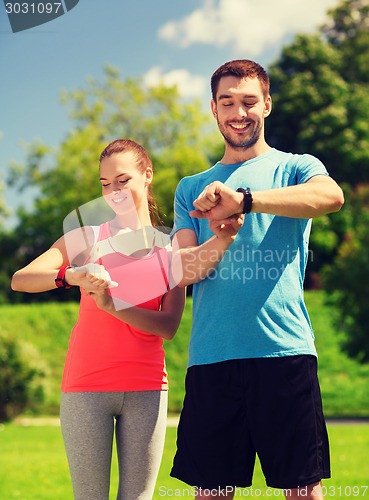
{"x":318,"y":110}
{"x":3,"y":210}
{"x":22,"y":374}
{"x":320,"y":90}
{"x":347,"y":29}
{"x":348,"y":280}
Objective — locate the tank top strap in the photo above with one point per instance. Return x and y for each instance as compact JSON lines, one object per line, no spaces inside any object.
{"x":162,"y":255}
{"x":104,"y":232}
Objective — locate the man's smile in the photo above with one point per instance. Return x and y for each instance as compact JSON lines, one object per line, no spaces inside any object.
{"x":241,"y":127}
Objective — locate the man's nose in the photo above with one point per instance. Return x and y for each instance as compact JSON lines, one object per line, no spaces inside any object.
{"x":242,"y":112}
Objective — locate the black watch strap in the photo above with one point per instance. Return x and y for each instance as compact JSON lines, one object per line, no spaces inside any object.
{"x":247,"y":199}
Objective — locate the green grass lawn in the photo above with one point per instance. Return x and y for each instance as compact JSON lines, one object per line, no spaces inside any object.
{"x":47,"y":326}
{"x":344,"y":382}
{"x":33,"y":465}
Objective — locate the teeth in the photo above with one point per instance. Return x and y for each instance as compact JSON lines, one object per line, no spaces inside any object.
{"x":239,"y":126}
{"x":118,"y":200}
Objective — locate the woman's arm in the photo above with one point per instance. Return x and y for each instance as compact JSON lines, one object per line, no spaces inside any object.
{"x":39,"y":275}
{"x":163,"y":323}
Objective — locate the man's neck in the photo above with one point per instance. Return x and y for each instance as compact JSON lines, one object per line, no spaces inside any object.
{"x":236,"y":155}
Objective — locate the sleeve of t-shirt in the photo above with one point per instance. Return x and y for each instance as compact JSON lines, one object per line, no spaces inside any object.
{"x":307,"y":167}
{"x":182,"y":219}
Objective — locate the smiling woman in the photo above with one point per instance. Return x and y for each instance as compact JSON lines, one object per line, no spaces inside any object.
{"x":115,"y":380}
{"x":126,"y":174}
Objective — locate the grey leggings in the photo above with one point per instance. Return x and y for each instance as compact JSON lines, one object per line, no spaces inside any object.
{"x":88,"y":420}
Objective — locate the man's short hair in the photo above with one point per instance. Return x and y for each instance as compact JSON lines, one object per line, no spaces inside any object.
{"x":241,"y":68}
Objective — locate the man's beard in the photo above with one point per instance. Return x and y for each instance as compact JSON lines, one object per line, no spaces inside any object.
{"x":241,"y":144}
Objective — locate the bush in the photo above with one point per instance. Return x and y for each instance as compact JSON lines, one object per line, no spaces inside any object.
{"x":347,"y":280}
{"x":22,"y":377}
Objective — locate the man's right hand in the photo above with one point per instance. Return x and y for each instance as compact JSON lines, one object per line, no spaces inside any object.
{"x":227,"y":228}
{"x":217,"y":201}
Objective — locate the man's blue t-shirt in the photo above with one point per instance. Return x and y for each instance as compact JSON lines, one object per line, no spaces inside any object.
{"x":252,"y":305}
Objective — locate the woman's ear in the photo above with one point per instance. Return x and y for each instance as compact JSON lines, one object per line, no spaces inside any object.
{"x":149,"y":175}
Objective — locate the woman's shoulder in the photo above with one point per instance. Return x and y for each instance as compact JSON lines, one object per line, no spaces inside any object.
{"x":79,"y":242}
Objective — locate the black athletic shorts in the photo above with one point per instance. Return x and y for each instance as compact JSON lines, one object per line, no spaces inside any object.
{"x":236,"y":409}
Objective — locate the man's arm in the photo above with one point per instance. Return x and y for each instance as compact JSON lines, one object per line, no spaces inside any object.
{"x":318,"y":196}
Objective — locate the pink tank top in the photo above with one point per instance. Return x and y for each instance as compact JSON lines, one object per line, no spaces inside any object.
{"x":108,"y":355}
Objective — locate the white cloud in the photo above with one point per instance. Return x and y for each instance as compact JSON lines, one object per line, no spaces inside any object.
{"x":248,"y":25}
{"x":188,"y":85}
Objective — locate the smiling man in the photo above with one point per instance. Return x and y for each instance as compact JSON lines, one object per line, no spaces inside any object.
{"x":251,"y":384}
{"x":240,"y":107}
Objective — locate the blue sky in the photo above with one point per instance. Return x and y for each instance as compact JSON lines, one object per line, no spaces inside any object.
{"x":181,"y":42}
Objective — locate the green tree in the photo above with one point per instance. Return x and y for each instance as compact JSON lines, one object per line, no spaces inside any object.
{"x":321,"y":109}
{"x":347,"y":29}
{"x":320,"y":90}
{"x":22,"y":374}
{"x":3,"y":210}
{"x":6,"y":247}
{"x":348,"y":279}
{"x":318,"y":111}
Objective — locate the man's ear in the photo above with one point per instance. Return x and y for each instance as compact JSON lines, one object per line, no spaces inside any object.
{"x":213,"y":108}
{"x":268,"y":106}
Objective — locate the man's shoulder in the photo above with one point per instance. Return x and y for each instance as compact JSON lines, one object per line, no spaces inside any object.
{"x":289,"y":157}
{"x":295,"y":163}
{"x":282,"y":157}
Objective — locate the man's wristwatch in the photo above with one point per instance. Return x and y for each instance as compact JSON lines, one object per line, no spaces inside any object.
{"x":60,"y":279}
{"x":247,"y":199}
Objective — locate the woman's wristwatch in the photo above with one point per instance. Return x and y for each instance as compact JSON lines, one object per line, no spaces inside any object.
{"x":60,"y":279}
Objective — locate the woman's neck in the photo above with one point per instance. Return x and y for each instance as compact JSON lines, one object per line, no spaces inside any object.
{"x":132,"y":221}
